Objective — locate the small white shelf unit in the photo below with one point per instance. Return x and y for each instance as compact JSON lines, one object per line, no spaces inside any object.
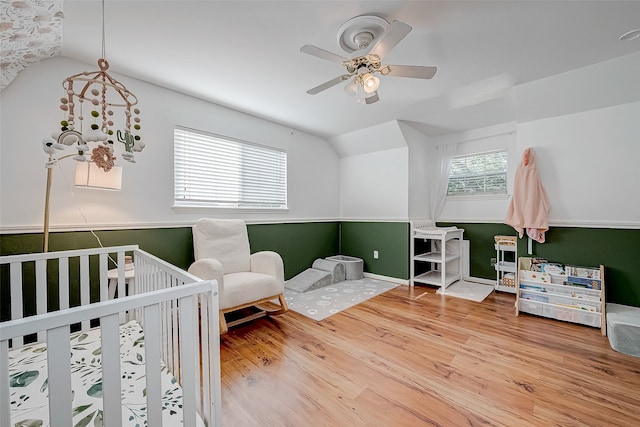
{"x":443,"y":258}
{"x":506,"y":264}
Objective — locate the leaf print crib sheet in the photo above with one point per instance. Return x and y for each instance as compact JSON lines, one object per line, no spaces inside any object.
{"x":29,"y":386}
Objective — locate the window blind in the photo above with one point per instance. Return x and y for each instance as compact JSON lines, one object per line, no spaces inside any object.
{"x":483,"y":173}
{"x":215,"y":171}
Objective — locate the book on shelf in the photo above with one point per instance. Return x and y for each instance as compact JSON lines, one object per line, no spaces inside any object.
{"x":588,"y":272}
{"x":536,"y":264}
{"x":532,"y":288}
{"x":579,"y":306}
{"x":552,"y":268}
{"x":584,"y":282}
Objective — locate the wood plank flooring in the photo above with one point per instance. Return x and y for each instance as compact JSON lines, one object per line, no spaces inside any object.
{"x":406,"y":358}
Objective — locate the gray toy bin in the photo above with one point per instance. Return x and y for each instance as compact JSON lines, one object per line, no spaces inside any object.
{"x":353,"y":266}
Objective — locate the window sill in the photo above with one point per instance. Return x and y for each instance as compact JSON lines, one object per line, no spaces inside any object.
{"x":479,"y":197}
{"x":206,"y":209}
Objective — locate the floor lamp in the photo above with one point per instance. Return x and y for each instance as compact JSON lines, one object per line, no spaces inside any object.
{"x":101,"y":94}
{"x":88,"y":175}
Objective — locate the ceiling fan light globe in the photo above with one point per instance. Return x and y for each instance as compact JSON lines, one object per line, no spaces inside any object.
{"x":370,"y":83}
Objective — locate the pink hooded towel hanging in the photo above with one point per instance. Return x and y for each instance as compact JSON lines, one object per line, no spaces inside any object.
{"x":529,"y":204}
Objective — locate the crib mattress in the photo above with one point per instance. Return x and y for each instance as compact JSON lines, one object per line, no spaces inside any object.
{"x":29,"y":392}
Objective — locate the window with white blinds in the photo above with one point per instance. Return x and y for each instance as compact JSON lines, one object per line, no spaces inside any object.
{"x":483,"y":173}
{"x":215,"y":171}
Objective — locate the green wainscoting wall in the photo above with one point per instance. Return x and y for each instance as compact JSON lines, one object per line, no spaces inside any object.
{"x":390,"y":239}
{"x":301,"y":243}
{"x":617,"y":249}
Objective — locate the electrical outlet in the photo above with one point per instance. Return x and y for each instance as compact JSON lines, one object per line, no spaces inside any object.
{"x":375,"y":254}
{"x":493,"y":262}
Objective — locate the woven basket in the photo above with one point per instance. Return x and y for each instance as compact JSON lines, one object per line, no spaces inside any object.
{"x":509,"y":280}
{"x":506,"y":240}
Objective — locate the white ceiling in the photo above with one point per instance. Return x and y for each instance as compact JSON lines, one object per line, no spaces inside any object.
{"x":245,"y":54}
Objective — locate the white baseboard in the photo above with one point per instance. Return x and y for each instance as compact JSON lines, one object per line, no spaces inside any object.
{"x":386,"y":278}
{"x":479,"y":280}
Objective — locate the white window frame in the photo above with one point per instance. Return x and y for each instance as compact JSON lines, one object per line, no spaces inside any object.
{"x":219,"y":172}
{"x":482,"y":194}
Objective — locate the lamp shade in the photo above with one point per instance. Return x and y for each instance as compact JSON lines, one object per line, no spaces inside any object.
{"x":370,"y":83}
{"x":88,"y":175}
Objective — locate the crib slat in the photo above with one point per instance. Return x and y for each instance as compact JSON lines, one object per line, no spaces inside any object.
{"x":122,"y":291}
{"x":111,"y":376}
{"x":121,"y":285}
{"x":203,"y":316}
{"x":188,"y":354}
{"x":214,"y":358}
{"x":63,"y":282}
{"x":104,"y":281}
{"x":163,"y":335}
{"x":85,"y":286}
{"x":174,"y":340}
{"x":58,"y":365}
{"x":15,"y":272}
{"x":152,"y":366}
{"x":5,"y":403}
{"x":41,"y":290}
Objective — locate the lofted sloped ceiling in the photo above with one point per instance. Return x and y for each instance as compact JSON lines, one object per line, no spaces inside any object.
{"x":30,"y":31}
{"x":245,"y":54}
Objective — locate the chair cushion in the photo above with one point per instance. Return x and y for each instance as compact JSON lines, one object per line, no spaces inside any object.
{"x":225,"y":240}
{"x":240,"y":288}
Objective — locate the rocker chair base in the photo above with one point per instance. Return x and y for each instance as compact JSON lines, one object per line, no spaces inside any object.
{"x":267,"y":308}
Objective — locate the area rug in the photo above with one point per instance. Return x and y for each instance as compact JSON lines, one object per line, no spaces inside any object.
{"x":324,"y":302}
{"x":467,"y":290}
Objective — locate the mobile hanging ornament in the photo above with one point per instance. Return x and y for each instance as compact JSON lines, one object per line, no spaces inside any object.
{"x":104,"y":94}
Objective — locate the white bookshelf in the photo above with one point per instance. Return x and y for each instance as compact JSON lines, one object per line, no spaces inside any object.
{"x":556,"y":297}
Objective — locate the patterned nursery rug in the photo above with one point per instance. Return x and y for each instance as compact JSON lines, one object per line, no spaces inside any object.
{"x":324,"y":302}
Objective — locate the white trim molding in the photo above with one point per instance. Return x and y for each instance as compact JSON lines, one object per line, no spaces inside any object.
{"x":144,"y":225}
{"x":386,"y":278}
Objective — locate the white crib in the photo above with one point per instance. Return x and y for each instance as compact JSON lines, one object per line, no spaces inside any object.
{"x":178,"y":344}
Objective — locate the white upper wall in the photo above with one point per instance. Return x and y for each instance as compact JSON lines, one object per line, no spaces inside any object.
{"x":588,"y":164}
{"x":374,"y":186}
{"x":378,"y":173}
{"x":30,"y":113}
{"x":586,"y":146}
{"x":385,"y":136}
{"x":421,"y":155}
{"x":374,"y":173}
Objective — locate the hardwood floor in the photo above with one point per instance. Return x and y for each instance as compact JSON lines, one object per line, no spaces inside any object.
{"x":413,"y":359}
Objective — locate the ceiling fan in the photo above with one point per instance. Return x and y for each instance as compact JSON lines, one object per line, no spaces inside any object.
{"x":369,"y":38}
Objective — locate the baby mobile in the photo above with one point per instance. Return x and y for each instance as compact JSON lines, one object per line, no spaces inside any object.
{"x":100,"y":93}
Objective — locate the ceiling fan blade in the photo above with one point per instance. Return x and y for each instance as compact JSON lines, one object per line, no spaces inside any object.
{"x":396,"y":31}
{"x":327,"y":85}
{"x":416,"y":72}
{"x":323,"y":54}
{"x":373,"y":97}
